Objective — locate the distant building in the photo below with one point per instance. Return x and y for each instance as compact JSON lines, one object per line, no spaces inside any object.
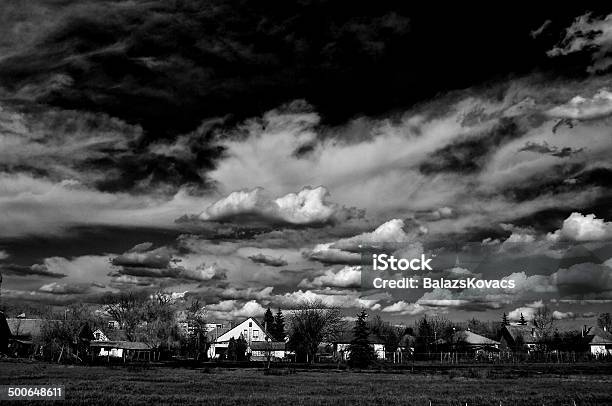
{"x":474,"y":342}
{"x":261,"y":350}
{"x":126,"y":350}
{"x":342,"y":343}
{"x":250,"y":330}
{"x":24,"y":333}
{"x":99,"y":335}
{"x":598,"y":340}
{"x":515,"y":337}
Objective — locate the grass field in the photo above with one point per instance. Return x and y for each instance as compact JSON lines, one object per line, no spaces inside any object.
{"x":152,"y":386}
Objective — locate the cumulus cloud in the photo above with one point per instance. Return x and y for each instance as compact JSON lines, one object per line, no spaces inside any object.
{"x":308,"y":206}
{"x":559,"y":315}
{"x":528,"y":311}
{"x":347,"y":277}
{"x":589,"y":34}
{"x":579,"y":227}
{"x":326,"y":254}
{"x":390,"y":233}
{"x":345,"y":299}
{"x":64,"y":288}
{"x":268,"y":260}
{"x":405,"y":309}
{"x":234,"y":309}
{"x":585,"y":108}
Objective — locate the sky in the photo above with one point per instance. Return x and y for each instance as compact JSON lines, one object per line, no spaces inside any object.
{"x":243,"y":153}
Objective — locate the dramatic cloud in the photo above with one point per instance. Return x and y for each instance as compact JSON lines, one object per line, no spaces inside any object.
{"x":544,"y":148}
{"x":268,"y":260}
{"x":589,"y":34}
{"x":234,"y":309}
{"x":347,"y":277}
{"x":326,"y":254}
{"x":33,"y":270}
{"x":307,"y":207}
{"x":390,"y":233}
{"x":578,"y":227}
{"x":162,"y":262}
{"x":581,"y":108}
{"x":64,"y":288}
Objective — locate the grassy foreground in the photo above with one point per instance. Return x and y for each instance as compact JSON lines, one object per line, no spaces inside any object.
{"x":152,"y":386}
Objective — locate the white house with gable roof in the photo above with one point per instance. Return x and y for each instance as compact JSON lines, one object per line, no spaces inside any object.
{"x":250,"y":329}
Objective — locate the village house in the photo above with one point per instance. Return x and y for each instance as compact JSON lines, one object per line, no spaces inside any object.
{"x":475,"y":342}
{"x":517,"y":337}
{"x":341,"y":346}
{"x":126,"y":350}
{"x":250,"y":330}
{"x":24,"y":333}
{"x":598,"y":340}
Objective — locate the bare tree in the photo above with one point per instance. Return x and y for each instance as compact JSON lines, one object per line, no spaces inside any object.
{"x":126,"y":308}
{"x":544,"y":322}
{"x":311,"y":323}
{"x":196,"y":322}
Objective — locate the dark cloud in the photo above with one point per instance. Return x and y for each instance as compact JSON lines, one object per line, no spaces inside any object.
{"x":32,"y":270}
{"x":544,"y":148}
{"x":468,"y":156}
{"x":267,"y":260}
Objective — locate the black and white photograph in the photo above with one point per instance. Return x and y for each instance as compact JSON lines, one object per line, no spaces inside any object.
{"x":311,"y":202}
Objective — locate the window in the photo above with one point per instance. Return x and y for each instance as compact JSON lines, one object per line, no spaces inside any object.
{"x":255,"y":333}
{"x":246,"y":333}
{"x":250,"y":324}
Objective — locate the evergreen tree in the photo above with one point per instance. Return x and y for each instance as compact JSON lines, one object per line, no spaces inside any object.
{"x":361,"y":352}
{"x":278,"y":328}
{"x":522,"y":321}
{"x":268,"y":320}
{"x":241,"y":348}
{"x":504,"y":320}
{"x":231,"y":350}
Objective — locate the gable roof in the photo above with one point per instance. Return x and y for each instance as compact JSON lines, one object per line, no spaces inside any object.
{"x":528,"y":334}
{"x":219,"y":336}
{"x":597,"y":336}
{"x":471,"y":338}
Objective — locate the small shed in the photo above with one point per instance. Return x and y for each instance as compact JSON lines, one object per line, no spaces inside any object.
{"x":261,"y":350}
{"x":126,"y":350}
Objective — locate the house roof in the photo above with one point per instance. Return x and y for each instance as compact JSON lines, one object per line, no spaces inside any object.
{"x":25,"y":327}
{"x":126,"y":345}
{"x":267,"y":345}
{"x":597,"y":336}
{"x":471,"y":338}
{"x":523,"y":331}
{"x":216,"y":333}
{"x":347,"y":337}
